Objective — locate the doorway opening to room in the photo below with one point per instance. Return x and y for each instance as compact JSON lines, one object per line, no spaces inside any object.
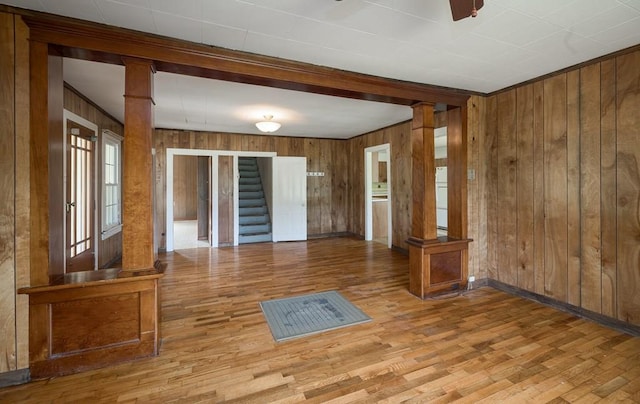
{"x":284,"y":195}
{"x":378,"y":220}
{"x":191,"y":201}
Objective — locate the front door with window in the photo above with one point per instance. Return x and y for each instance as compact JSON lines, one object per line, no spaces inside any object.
{"x":80,"y":198}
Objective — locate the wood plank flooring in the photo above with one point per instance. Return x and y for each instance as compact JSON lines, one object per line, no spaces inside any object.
{"x":482,"y":345}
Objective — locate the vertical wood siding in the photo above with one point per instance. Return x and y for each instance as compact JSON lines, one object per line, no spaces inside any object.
{"x":560,"y":179}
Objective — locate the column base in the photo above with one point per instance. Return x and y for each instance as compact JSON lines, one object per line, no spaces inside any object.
{"x":437,"y":266}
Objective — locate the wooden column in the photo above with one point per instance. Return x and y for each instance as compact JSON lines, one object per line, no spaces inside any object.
{"x":437,"y":264}
{"x":423,"y":178}
{"x":137,"y":179}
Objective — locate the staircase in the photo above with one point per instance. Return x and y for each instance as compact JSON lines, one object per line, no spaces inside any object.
{"x":254,"y":221}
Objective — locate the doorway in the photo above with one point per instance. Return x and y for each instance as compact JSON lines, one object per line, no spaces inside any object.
{"x":378,"y":197}
{"x":191,"y":202}
{"x":80,"y":193}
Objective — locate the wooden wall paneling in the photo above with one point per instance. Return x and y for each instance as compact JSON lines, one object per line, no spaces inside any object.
{"x":340,"y":183}
{"x":203,"y":196}
{"x":608,"y":190}
{"x":314,"y":187}
{"x":22,"y":195}
{"x":457,"y":174}
{"x":7,"y":197}
{"x":628,"y":186}
{"x":57,"y":140}
{"x":326,"y":187}
{"x":507,"y":189}
{"x":538,"y":187}
{"x":477,"y":255}
{"x":185,"y":187}
{"x":591,"y":276}
{"x":555,"y":186}
{"x":400,"y":139}
{"x":225,"y":200}
{"x":491,"y":186}
{"x":573,"y":188}
{"x":357,"y":185}
{"x":524,"y":187}
{"x":159,"y":139}
{"x":39,"y":157}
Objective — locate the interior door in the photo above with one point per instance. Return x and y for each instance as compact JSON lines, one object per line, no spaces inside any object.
{"x":80,"y":198}
{"x":289,"y":216}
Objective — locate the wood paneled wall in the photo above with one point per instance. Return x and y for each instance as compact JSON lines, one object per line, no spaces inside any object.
{"x":558,"y":186}
{"x":399,"y":138}
{"x":326,"y":196}
{"x":15,"y":196}
{"x":185,"y":187}
{"x":110,"y":249}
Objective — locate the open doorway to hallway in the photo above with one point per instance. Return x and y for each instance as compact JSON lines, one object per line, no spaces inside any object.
{"x":378,"y":194}
{"x":191,"y":202}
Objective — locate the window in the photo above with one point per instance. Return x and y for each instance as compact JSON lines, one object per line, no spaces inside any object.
{"x":111,"y":184}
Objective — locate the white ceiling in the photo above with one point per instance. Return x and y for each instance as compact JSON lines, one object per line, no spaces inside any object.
{"x":510,"y":41}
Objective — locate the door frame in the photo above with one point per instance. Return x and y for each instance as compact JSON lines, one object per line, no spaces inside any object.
{"x":68,"y":115}
{"x":170,"y":153}
{"x":368,"y":192}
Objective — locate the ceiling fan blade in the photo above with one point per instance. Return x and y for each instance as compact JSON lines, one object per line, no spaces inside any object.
{"x":462,"y":8}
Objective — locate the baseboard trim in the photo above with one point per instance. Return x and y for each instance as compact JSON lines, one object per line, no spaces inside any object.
{"x":15,"y":377}
{"x":566,"y":307}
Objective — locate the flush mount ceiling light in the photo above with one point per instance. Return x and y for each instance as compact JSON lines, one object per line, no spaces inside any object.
{"x":268,"y":125}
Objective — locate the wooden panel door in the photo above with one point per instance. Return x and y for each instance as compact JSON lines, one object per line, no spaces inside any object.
{"x":80,"y":198}
{"x":289,"y":214}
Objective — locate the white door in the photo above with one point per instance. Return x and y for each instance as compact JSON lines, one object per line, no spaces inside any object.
{"x":289,"y":215}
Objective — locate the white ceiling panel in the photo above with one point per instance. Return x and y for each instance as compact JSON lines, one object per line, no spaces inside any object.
{"x":416,"y":40}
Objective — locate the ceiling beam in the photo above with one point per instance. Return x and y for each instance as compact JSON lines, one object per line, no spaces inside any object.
{"x":103,"y":43}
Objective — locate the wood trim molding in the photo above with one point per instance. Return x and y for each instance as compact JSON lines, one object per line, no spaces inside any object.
{"x":92,"y":41}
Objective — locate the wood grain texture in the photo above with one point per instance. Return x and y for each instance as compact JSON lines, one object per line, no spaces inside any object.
{"x":398,"y":136}
{"x":480,"y":345}
{"x":507,"y":188}
{"x":423,"y":173}
{"x":490,"y":173}
{"x":23,"y":197}
{"x":591,"y":244}
{"x":56,"y":141}
{"x":457,"y":220}
{"x":628,"y":186}
{"x":578,"y":203}
{"x":185,"y":187}
{"x":8,"y":348}
{"x":539,"y":169}
{"x":475,"y":199}
{"x":225,"y":200}
{"x":524,"y":188}
{"x":608,"y":216}
{"x":39,"y":167}
{"x":573,"y":188}
{"x":555,"y":187}
{"x":91,"y":320}
{"x":137,"y":172}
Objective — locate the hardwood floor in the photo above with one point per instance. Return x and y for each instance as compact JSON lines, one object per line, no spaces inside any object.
{"x":480,"y":345}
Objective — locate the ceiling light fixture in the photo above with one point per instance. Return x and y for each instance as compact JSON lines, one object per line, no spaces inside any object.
{"x":268,"y":125}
